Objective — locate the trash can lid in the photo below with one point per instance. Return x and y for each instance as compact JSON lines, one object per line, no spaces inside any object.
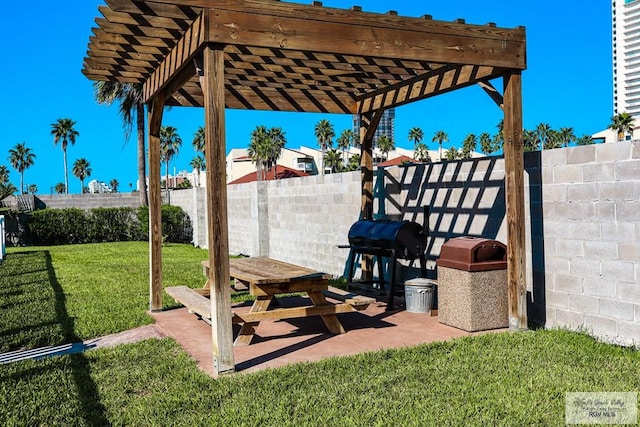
{"x":473,"y":254}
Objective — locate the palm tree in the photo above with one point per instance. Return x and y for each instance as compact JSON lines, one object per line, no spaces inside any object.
{"x":452,"y":154}
{"x":529,"y":140}
{"x":32,"y":189}
{"x":6,"y":188}
{"x":60,"y":188}
{"x":345,"y":141}
{"x":199,"y":164}
{"x":276,"y":142}
{"x":622,"y":124}
{"x":114,"y":184}
{"x":584,"y":140}
{"x":21,"y":158}
{"x":4,"y":174}
{"x":259,"y":149}
{"x":468,"y":146}
{"x":421,"y":153}
{"x":130,"y":97}
{"x":542,"y":134}
{"x":63,"y":131}
{"x":385,"y":144}
{"x":170,"y":143}
{"x":199,"y":140}
{"x":354,"y":163}
{"x":486,"y":144}
{"x":324,"y":133}
{"x":567,"y":136}
{"x":333,"y":160}
{"x":81,"y":170}
{"x":554,"y":140}
{"x":416,"y":136}
{"x":440,"y":137}
{"x":498,"y":140}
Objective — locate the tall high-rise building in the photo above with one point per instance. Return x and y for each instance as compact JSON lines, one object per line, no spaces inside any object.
{"x":626,"y":57}
{"x":386,"y":127}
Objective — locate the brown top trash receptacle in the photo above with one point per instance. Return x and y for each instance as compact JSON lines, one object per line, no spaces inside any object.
{"x":473,"y":254}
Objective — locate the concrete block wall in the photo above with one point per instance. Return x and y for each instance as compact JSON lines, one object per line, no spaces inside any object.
{"x":310,"y":217}
{"x":591,"y":253}
{"x":91,"y":201}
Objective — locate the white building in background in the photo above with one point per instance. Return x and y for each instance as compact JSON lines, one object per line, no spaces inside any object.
{"x":304,"y":160}
{"x":625,"y":25}
{"x":96,"y":186}
{"x":626,"y":57}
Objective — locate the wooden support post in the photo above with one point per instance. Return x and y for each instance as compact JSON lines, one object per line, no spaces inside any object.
{"x":155,"y":204}
{"x":514,"y":187}
{"x":368,"y":125}
{"x":212,"y":83}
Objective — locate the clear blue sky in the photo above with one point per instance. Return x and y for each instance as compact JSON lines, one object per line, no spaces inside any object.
{"x":568,"y":83}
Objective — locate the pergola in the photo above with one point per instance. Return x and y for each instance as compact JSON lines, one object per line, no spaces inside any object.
{"x":280,"y":56}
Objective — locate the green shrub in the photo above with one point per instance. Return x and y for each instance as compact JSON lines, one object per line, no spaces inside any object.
{"x":60,"y":226}
{"x":69,"y":226}
{"x":115,"y":225}
{"x":176,"y":225}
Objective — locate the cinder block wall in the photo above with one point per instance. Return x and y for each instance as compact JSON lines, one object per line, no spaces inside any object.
{"x":310,"y":217}
{"x":589,"y":270}
{"x":91,"y":201}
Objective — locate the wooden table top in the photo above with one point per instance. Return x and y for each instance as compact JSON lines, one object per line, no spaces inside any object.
{"x":262,"y":270}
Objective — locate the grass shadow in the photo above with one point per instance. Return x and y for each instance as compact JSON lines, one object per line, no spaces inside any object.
{"x":36,"y":315}
{"x":87,"y":391}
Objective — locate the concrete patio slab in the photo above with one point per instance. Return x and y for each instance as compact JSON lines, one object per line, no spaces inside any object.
{"x":278,"y":343}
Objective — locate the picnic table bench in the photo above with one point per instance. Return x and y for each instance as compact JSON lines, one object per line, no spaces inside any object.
{"x":266,"y":278}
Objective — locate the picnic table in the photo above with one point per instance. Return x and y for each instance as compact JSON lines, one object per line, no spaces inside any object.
{"x":267,"y":278}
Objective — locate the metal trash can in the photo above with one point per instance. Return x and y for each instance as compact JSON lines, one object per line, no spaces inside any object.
{"x":472,"y":284}
{"x":419,"y":295}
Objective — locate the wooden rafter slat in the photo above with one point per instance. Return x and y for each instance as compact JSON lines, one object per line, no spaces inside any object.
{"x":138,"y":31}
{"x":158,"y":9}
{"x":97,"y":61}
{"x":443,"y":80}
{"x":96,"y":51}
{"x":124,"y":39}
{"x":127,"y":47}
{"x":143,"y":20}
{"x":109,"y":77}
{"x":141,"y":71}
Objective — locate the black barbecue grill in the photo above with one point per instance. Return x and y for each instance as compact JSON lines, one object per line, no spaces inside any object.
{"x":389,"y":239}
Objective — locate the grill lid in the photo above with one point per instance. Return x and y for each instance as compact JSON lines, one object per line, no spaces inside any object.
{"x":406,"y":238}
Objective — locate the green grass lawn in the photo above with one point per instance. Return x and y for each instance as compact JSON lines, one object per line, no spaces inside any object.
{"x":510,"y":379}
{"x":60,"y":294}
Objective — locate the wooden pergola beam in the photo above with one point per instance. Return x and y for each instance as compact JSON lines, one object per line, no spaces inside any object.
{"x":274,"y":31}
